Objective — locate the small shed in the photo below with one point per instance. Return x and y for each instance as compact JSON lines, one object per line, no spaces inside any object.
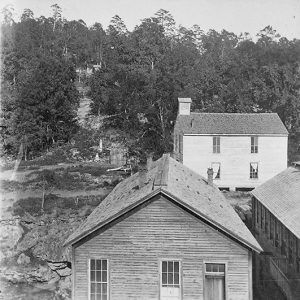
{"x":163,"y":233}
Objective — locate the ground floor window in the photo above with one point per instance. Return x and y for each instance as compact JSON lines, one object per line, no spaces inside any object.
{"x":253,"y":170}
{"x":216,"y":166}
{"x":98,"y":279}
{"x":214,"y":285}
{"x":170,"y":280}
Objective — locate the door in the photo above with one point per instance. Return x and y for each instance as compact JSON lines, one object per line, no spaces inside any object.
{"x":214,"y":282}
{"x":214,"y":288}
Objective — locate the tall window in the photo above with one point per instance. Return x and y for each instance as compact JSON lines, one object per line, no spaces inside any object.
{"x":262,"y":217}
{"x":98,"y":279}
{"x":216,"y":144}
{"x":214,"y":288}
{"x":277,"y":233}
{"x":272,"y":228}
{"x":253,"y":170}
{"x":254,"y":144}
{"x":170,"y":280}
{"x":216,"y":166}
{"x":266,"y":222}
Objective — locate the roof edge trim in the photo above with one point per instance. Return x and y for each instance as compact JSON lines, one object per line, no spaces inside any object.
{"x":98,"y":226}
{"x":270,"y":210}
{"x":148,"y":197}
{"x":212,"y":222}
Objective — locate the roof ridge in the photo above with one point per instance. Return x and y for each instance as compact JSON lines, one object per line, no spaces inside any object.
{"x":161,"y":177}
{"x":238,"y":113}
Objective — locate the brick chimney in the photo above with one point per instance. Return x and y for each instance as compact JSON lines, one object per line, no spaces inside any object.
{"x":210,"y":174}
{"x":142,"y":175}
{"x":184,"y":106}
{"x":144,"y":169}
{"x":149,"y":161}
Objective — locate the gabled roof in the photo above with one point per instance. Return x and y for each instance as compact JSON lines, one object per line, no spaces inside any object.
{"x":182,"y":185}
{"x":230,"y":123}
{"x":281,"y":196}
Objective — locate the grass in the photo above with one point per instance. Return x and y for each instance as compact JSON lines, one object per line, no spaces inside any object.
{"x":52,"y":202}
{"x":94,"y":170}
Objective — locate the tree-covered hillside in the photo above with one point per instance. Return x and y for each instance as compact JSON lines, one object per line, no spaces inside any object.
{"x":140,"y":74}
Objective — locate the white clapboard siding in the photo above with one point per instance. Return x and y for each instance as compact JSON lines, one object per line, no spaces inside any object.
{"x":235,"y":158}
{"x":161,"y":230}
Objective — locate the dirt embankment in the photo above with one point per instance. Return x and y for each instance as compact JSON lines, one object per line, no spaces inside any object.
{"x":38,"y":213}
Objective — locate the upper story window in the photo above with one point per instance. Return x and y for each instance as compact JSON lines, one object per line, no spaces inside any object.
{"x":98,"y":279}
{"x":253,"y":170}
{"x":254,"y":144}
{"x":216,"y":144}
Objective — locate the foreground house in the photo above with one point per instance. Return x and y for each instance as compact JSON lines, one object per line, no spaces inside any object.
{"x":276,"y":223}
{"x":243,"y":149}
{"x":163,"y":233}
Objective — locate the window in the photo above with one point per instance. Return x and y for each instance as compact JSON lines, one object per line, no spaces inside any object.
{"x":262,"y":215}
{"x":271,"y":227}
{"x":216,"y":166}
{"x":253,"y":170}
{"x":216,"y":144}
{"x":283,"y":241}
{"x":254,"y":144}
{"x":266,"y":222}
{"x":214,"y":288}
{"x":257,"y":212}
{"x":98,"y":279}
{"x":170,"y":280}
{"x":291,"y":244}
{"x":277,"y":233}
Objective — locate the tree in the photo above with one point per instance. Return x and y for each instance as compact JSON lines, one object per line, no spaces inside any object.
{"x":44,"y":108}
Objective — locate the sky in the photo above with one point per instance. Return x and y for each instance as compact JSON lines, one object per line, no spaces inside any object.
{"x":233,"y":15}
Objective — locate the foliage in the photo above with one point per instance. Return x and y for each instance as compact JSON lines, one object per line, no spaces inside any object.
{"x":138,"y":76}
{"x":222,"y":72}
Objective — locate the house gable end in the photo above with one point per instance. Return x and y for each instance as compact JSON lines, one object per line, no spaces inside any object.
{"x":162,"y":195}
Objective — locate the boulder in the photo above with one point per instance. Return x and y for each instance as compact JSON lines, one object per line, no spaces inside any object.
{"x":23,"y":259}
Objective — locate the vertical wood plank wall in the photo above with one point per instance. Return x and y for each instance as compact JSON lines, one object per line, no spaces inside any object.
{"x":158,"y":231}
{"x":263,"y":229}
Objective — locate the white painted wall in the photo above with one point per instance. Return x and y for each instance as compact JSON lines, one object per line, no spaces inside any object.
{"x":235,"y":157}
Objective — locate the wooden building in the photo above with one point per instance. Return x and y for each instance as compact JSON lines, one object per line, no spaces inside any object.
{"x":163,"y":233}
{"x":243,"y":149}
{"x":276,"y":224}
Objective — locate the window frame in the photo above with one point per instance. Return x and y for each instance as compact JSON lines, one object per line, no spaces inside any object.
{"x":254,"y":144}
{"x":251,"y":174}
{"x":107,"y":278}
{"x":225,"y":263}
{"x":216,"y":144}
{"x":161,"y":260}
{"x":217,"y":163}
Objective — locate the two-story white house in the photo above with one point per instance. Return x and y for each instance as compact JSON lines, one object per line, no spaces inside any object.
{"x":243,"y":149}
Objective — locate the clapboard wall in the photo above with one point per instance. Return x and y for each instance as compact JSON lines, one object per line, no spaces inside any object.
{"x":235,"y":157}
{"x":161,"y":230}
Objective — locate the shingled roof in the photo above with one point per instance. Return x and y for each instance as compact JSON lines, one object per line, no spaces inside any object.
{"x":281,"y":196}
{"x":230,"y":123}
{"x":183,"y":186}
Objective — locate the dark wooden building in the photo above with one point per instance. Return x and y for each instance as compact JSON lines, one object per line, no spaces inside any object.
{"x":165,"y":233}
{"x":276,"y":224}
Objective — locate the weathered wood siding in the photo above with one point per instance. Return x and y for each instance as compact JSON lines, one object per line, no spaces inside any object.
{"x":235,"y":157}
{"x":161,"y":230}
